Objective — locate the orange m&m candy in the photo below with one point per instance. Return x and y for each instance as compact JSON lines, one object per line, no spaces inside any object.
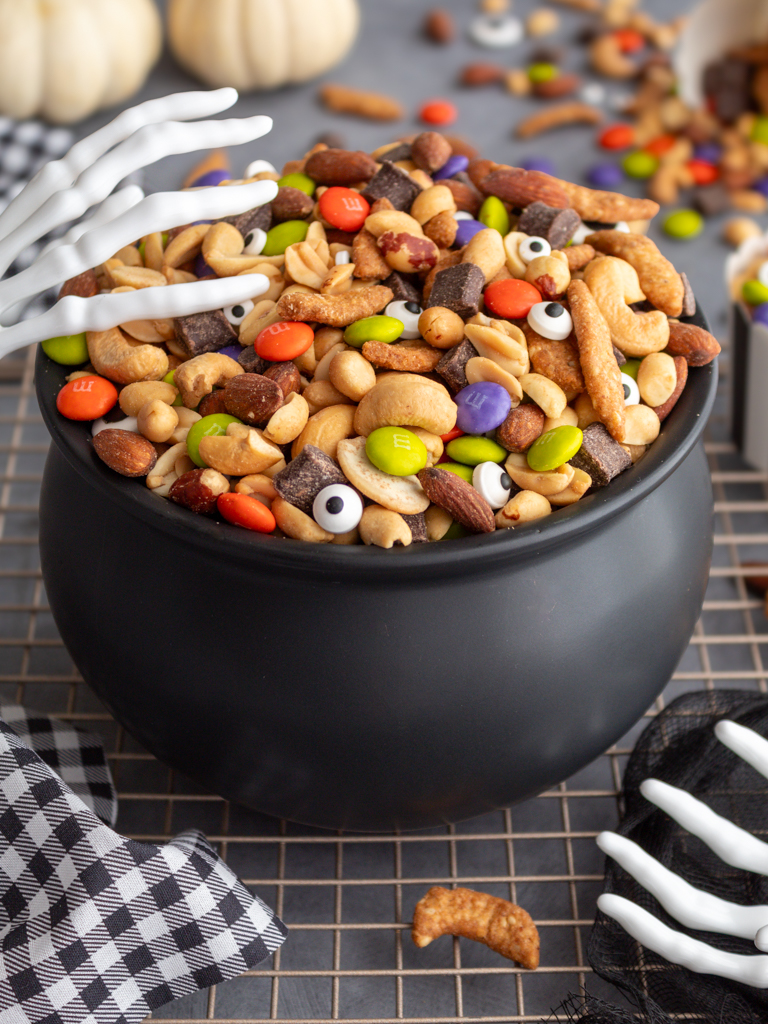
{"x":451,"y":435}
{"x":283,"y":341}
{"x":703,"y":172}
{"x":660,"y":145}
{"x":344,"y":208}
{"x":438,"y":112}
{"x":617,"y":136}
{"x":511,"y":299}
{"x":629,"y":40}
{"x":243,"y":510}
{"x":87,"y":398}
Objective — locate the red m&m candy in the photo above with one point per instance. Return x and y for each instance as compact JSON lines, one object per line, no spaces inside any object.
{"x":438,"y":112}
{"x":660,"y":145}
{"x":243,"y":510}
{"x":344,"y":208}
{"x":703,"y":172}
{"x":284,"y":341}
{"x":617,"y":136}
{"x":511,"y":299}
{"x":87,"y":398}
{"x":629,"y":40}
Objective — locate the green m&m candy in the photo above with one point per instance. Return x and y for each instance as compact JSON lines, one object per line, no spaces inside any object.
{"x":455,"y":531}
{"x":170,"y":379}
{"x":759,"y":132}
{"x":396,"y":451}
{"x":631,"y":367}
{"x":684,"y":224}
{"x":69,"y":349}
{"x":282,"y":235}
{"x":754,"y":292}
{"x":640,"y":164}
{"x":554,"y":448}
{"x":209,"y":426}
{"x":472,"y":450}
{"x":373,"y":328}
{"x":465,"y":472}
{"x":493,"y":215}
{"x":302,"y":182}
{"x":542,"y":72}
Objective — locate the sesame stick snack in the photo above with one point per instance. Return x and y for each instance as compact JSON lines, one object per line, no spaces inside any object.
{"x":446,"y":347}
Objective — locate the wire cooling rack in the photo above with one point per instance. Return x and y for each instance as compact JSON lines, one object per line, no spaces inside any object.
{"x":348,"y":898}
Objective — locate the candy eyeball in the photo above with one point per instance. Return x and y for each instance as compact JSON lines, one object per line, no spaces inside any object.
{"x":254,"y":242}
{"x":493,"y":482}
{"x":532,"y":247}
{"x":762,"y":273}
{"x":579,"y":236}
{"x":342,"y":257}
{"x":495,"y":32}
{"x":258,"y":167}
{"x":408,"y":314}
{"x":631,"y":390}
{"x":236,"y":314}
{"x":621,"y":225}
{"x":128,"y":423}
{"x":337,"y":508}
{"x":551,"y":320}
{"x":463,"y":215}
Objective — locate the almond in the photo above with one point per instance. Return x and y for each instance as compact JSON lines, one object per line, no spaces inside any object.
{"x":521,"y":188}
{"x":439,"y":26}
{"x":126,"y":453}
{"x":481,"y":73}
{"x":340,"y":167}
{"x":466,"y":196}
{"x":198,"y":490}
{"x":521,"y":428}
{"x":291,"y":204}
{"x":85,"y":285}
{"x":563,"y":85}
{"x":252,"y":397}
{"x":429,"y":151}
{"x":697,"y":346}
{"x":286,"y":376}
{"x":460,"y":499}
{"x":213,"y":403}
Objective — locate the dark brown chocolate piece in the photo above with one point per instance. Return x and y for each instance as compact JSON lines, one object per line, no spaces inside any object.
{"x":258,"y":217}
{"x":204,"y":332}
{"x":401,"y":152}
{"x":557,"y":226}
{"x":689,"y":299}
{"x":252,"y":397}
{"x":458,"y":288}
{"x":402,"y":287}
{"x":337,"y":235}
{"x":620,"y":357}
{"x":305,"y":476}
{"x":393,"y":184}
{"x":451,"y":366}
{"x":251,"y":362}
{"x":726,"y":84}
{"x":712,"y":199}
{"x":418,"y":525}
{"x":600,"y":456}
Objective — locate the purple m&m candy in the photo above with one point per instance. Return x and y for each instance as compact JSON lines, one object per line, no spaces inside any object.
{"x":538,"y":163}
{"x":453,"y":165}
{"x":760,"y":314}
{"x":761,"y":186}
{"x":203,"y":268}
{"x":708,"y":151}
{"x":233,"y":351}
{"x":211,"y":178}
{"x":605,"y":175}
{"x":467,"y":229}
{"x":482,"y":407}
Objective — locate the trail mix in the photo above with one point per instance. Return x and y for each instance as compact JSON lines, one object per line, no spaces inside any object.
{"x":446,"y":347}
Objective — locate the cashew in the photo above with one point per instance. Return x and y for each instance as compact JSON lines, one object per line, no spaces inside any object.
{"x":325,"y":429}
{"x":441,"y":327}
{"x":406,"y":399}
{"x":392,"y":220}
{"x":222,"y":248}
{"x":287,"y":423}
{"x":351,"y":374}
{"x":642,"y":425}
{"x":486,"y":250}
{"x":297,"y":524}
{"x":185,"y":246}
{"x":576,"y":489}
{"x":607,"y":58}
{"x":614,"y":283}
{"x":501,"y":342}
{"x":239,"y":452}
{"x":432,"y":442}
{"x":152,"y":331}
{"x":258,"y":485}
{"x":163,"y":472}
{"x":304,"y":265}
{"x":523,"y":508}
{"x":514,"y":262}
{"x":131,"y":257}
{"x":656,"y":378}
{"x":122,"y":360}
{"x":545,"y":482}
{"x":198,"y":376}
{"x":401,"y":494}
{"x":383,"y":528}
{"x":433,"y":200}
{"x":549,"y":397}
{"x":157,"y":421}
{"x":550,"y":274}
{"x":186,"y":418}
{"x":320,"y":394}
{"x":438,"y":521}
{"x":480,"y":368}
{"x":135,"y":396}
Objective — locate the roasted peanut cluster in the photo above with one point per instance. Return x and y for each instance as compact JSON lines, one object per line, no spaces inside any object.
{"x":434,"y":355}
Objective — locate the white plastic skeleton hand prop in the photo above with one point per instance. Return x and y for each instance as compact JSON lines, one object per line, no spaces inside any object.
{"x":64,"y":189}
{"x":692,"y":907}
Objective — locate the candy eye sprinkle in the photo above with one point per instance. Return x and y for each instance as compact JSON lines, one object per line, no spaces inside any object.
{"x":495,"y":31}
{"x":532,"y":247}
{"x":551,"y":320}
{"x":337,"y":508}
{"x":493,"y":482}
{"x":631,"y":390}
{"x":254,"y":242}
{"x":762,"y":273}
{"x":236,"y":314}
{"x":408,"y":314}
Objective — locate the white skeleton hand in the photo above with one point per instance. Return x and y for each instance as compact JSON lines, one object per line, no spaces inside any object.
{"x":692,"y":907}
{"x":64,"y":189}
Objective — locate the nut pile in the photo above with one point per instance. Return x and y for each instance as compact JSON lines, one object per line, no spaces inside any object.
{"x":446,"y":347}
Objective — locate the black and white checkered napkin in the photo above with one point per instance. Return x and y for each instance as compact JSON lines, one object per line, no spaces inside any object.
{"x":98,"y":929}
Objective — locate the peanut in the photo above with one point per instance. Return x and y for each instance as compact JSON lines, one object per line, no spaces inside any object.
{"x":656,"y":378}
{"x":523,"y":508}
{"x":157,"y":421}
{"x":351,"y":374}
{"x":432,"y":201}
{"x":384,"y":528}
{"x":287,"y":423}
{"x":441,"y":327}
{"x":135,"y":396}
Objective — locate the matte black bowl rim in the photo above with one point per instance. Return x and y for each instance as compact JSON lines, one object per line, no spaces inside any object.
{"x":220,"y":540}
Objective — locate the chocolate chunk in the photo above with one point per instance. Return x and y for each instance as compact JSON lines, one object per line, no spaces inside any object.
{"x":393,"y":184}
{"x":458,"y":288}
{"x":251,"y":362}
{"x":620,"y":357}
{"x":726,"y":83}
{"x":547,"y":55}
{"x":689,"y":299}
{"x":557,"y":226}
{"x":401,"y":152}
{"x":451,"y":366}
{"x":342,"y":237}
{"x":258,"y":217}
{"x":204,"y":332}
{"x":333,"y":140}
{"x":712,"y":199}
{"x":600,"y":456}
{"x":402,"y":288}
{"x":418,"y":525}
{"x":302,"y":479}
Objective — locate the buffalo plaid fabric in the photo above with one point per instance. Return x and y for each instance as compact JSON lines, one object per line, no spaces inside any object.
{"x":75,"y":755}
{"x":98,"y":929}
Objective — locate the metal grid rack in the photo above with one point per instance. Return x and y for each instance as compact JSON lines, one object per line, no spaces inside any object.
{"x":348,"y":898}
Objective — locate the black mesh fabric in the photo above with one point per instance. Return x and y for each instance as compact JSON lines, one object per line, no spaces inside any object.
{"x":680,"y":748}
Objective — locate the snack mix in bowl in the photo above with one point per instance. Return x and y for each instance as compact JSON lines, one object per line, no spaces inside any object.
{"x":446,"y":347}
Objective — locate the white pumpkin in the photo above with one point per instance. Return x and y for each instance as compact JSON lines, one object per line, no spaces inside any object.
{"x":64,"y":59}
{"x":260,"y":44}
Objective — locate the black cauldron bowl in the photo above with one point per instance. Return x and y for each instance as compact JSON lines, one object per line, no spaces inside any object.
{"x":364,"y":689}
